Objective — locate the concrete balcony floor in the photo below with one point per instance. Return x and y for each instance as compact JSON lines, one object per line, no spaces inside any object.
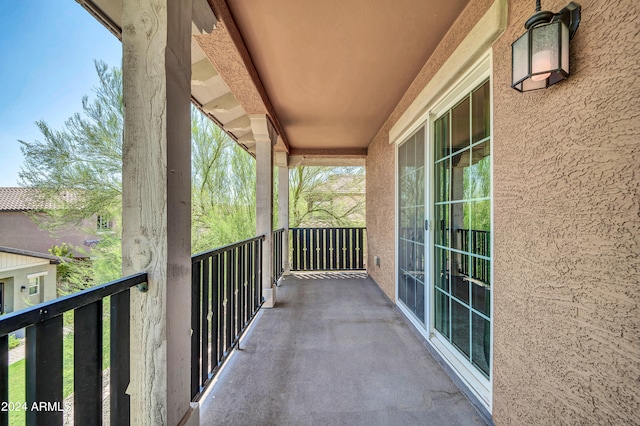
{"x":334,"y":351}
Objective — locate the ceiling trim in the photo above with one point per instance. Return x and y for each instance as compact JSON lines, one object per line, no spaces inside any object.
{"x":330,"y":152}
{"x":226,"y":48}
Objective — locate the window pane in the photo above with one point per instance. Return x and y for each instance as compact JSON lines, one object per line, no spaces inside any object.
{"x":460,"y":326}
{"x":460,"y":177}
{"x":460,"y":125}
{"x":460,"y":286}
{"x":480,"y":171}
{"x":419,"y":143}
{"x":420,"y":301}
{"x":442,"y":137}
{"x":442,"y":170}
{"x":480,"y":228}
{"x":481,"y":299}
{"x":442,"y":269}
{"x":481,"y":343}
{"x":441,"y":225}
{"x":460,"y":220}
{"x":441,"y":307}
{"x":481,"y":112}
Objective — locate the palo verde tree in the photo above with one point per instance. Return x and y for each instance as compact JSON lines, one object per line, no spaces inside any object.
{"x":78,"y":171}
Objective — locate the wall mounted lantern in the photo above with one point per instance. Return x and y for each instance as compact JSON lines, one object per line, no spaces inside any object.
{"x":540,"y":57}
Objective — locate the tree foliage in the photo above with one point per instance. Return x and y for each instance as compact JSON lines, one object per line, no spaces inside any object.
{"x":326,"y":196}
{"x":78,"y":171}
{"x":223,"y":189}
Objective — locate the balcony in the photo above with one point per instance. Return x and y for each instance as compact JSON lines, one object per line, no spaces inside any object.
{"x":335,"y":351}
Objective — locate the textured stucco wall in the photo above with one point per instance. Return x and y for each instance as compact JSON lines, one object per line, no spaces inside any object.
{"x":567,"y":229}
{"x":18,"y":230}
{"x":381,"y":157}
{"x":566,"y":222}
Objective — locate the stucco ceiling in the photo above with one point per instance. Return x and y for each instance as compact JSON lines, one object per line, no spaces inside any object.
{"x":328,"y":73}
{"x":334,"y":69}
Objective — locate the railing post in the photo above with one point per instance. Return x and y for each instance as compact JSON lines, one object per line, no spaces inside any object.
{"x":265,"y":137}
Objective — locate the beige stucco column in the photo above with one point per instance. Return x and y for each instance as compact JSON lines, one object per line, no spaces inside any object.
{"x":156,"y":205}
{"x":265,"y":136}
{"x":282,"y":161}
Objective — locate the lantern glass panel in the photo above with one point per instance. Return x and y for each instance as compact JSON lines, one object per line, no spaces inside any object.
{"x":520,"y":55}
{"x":565,"y":47}
{"x":545,"y":55}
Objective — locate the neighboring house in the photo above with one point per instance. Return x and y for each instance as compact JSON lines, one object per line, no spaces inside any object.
{"x":26,"y":278}
{"x":18,"y":209}
{"x":341,"y":194}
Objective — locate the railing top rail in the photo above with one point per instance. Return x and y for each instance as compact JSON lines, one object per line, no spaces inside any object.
{"x":279,"y":229}
{"x":332,"y":227}
{"x":44,"y":311}
{"x":203,"y":255}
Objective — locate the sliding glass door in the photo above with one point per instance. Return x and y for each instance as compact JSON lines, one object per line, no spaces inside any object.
{"x":411,"y":212}
{"x":462,"y":231}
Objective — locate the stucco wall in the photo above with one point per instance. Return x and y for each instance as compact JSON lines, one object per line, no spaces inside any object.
{"x":381,"y":157}
{"x":566,"y":222}
{"x":567,"y":229}
{"x":18,"y":230}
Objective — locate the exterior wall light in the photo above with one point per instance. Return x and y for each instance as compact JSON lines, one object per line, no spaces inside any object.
{"x":540,"y":57}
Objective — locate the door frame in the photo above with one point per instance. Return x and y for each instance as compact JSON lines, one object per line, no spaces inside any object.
{"x":479,"y":71}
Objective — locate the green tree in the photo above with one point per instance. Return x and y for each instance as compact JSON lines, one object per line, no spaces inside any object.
{"x":78,"y":171}
{"x":326,"y":196}
{"x":223,"y":189}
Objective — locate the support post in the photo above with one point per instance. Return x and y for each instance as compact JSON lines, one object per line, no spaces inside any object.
{"x":282,"y":160}
{"x":265,"y":136}
{"x":156,"y":205}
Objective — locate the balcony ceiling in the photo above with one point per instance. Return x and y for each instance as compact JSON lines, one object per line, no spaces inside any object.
{"x":334,"y":70}
{"x":328,"y":73}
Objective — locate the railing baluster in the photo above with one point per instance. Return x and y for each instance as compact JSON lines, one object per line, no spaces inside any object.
{"x":221,"y":306}
{"x":204,"y":329}
{"x":44,"y":370}
{"x":119,"y":346}
{"x":4,"y":377}
{"x":195,"y":326}
{"x":87,"y":363}
{"x":215,"y":312}
{"x":241,"y":310}
{"x":228,"y":297}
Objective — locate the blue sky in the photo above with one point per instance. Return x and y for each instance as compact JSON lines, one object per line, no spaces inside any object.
{"x":47,"y":51}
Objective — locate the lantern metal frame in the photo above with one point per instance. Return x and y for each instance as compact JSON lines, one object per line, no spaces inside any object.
{"x":562,"y":26}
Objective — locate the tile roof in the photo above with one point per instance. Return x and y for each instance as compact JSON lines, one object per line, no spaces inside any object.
{"x":25,"y":199}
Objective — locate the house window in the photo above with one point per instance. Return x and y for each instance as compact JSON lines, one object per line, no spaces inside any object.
{"x":34,"y":285}
{"x":462,"y":231}
{"x":103,"y":223}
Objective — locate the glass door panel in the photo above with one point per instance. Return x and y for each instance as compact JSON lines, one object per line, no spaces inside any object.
{"x":462,"y":231}
{"x":411,"y":248}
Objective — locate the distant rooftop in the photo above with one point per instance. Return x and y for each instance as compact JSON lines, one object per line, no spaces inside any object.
{"x":25,"y":199}
{"x":51,"y":258}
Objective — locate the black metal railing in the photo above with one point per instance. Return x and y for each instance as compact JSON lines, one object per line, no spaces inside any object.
{"x":327,"y":249}
{"x":278,"y":243}
{"x":226,"y":295}
{"x":44,"y":332}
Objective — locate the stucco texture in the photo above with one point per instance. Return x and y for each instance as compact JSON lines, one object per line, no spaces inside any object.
{"x":567,"y":229}
{"x":566,"y":190}
{"x":381,"y":157}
